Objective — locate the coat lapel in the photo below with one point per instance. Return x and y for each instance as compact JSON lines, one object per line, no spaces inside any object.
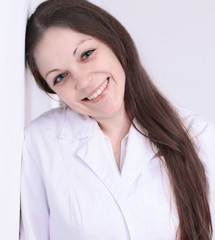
{"x":95,"y":153}
{"x":138,"y":154}
{"x":82,"y":137}
{"x":92,"y":149}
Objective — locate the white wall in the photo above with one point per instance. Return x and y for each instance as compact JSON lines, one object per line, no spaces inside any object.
{"x":13,"y":19}
{"x":12,"y":24}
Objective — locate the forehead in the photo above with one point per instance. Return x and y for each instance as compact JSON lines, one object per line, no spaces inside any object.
{"x":59,"y":37}
{"x":57,"y":43}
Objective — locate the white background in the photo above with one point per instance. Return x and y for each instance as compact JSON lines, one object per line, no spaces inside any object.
{"x":176,"y":42}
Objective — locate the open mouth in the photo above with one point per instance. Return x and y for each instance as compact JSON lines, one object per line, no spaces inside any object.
{"x":98,"y":92}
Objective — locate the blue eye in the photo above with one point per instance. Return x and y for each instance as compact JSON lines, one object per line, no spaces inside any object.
{"x":87,"y":54}
{"x":59,"y":78}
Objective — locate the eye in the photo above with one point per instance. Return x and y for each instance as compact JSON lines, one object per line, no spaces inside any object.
{"x":87,"y":54}
{"x":59,"y":78}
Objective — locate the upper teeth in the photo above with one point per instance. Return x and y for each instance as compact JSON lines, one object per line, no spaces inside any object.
{"x":99,"y":91}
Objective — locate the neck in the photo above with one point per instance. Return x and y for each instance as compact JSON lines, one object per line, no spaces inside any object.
{"x":116,"y":127}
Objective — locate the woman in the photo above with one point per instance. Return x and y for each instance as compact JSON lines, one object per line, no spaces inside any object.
{"x":118,"y":162}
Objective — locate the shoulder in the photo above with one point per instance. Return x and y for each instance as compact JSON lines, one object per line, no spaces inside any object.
{"x":49,"y":122}
{"x":202,"y":132}
{"x":197,"y":125}
{"x":59,"y":123}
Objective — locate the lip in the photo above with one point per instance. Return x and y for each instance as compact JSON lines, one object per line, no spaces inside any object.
{"x":99,"y":97}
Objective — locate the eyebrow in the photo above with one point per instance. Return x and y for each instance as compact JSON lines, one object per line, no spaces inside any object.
{"x":81,"y":42}
{"x":54,"y":70}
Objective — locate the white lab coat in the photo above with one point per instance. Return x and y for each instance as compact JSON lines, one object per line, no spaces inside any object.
{"x":71,"y":188}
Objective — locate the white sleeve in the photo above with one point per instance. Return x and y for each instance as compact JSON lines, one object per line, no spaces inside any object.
{"x":34,"y":223}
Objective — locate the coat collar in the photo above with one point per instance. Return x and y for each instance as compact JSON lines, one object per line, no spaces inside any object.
{"x":76,"y":126}
{"x":93,"y":150}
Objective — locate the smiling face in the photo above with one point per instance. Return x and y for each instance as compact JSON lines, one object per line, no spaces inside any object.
{"x":83,"y":71}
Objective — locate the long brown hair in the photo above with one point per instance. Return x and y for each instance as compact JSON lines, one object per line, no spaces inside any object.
{"x":143,"y":102}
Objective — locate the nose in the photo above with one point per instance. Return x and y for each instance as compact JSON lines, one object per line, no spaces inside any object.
{"x":82,"y":78}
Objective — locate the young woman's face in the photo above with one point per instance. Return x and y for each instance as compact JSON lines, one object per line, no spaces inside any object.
{"x":83,"y":71}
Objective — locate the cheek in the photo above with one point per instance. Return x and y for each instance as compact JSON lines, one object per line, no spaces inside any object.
{"x":117,"y":67}
{"x":66,"y":90}
{"x":121,"y":75}
{"x":66,"y":96}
